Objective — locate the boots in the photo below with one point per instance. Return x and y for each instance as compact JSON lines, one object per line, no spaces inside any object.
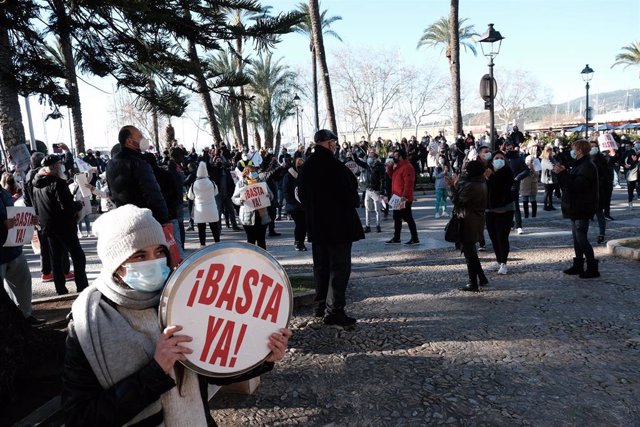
{"x":577,"y":268}
{"x":472,"y":271}
{"x":591,"y":271}
{"x":534,"y":209}
{"x":525,"y":208}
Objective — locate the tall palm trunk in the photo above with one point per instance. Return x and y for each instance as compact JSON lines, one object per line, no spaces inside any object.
{"x":203,"y":90}
{"x":314,"y":73}
{"x":234,"y":104}
{"x":243,"y":107}
{"x":278,"y":138}
{"x":256,"y":136}
{"x":64,"y":34}
{"x":454,"y":68}
{"x":318,"y":43}
{"x":10,"y":116}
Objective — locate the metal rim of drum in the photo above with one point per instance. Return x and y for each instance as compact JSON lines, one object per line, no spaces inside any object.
{"x":187,"y":265}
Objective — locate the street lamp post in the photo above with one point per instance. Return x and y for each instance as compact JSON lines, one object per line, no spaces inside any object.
{"x":488,"y":87}
{"x":587,"y":75}
{"x":296,"y":101}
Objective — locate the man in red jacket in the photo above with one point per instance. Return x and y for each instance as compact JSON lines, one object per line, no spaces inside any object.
{"x":403,"y":179}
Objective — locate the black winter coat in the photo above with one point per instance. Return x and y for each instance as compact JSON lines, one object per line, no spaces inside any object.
{"x":131,"y":181}
{"x":499,"y":186}
{"x":470,"y":201}
{"x":580,"y":190}
{"x":518,"y":167}
{"x":604,"y":165}
{"x":290,"y":183}
{"x":54,"y":204}
{"x":328,"y":191}
{"x":86,"y":403}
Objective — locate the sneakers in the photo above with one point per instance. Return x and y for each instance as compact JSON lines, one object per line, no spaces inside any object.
{"x":70,"y":276}
{"x":600,"y":239}
{"x":608,"y":217}
{"x":503,"y":269}
{"x":378,"y":229}
{"x":300,"y":247}
{"x":481,"y":249}
{"x":413,"y":242}
{"x":339,"y":319}
{"x":630,"y":205}
{"x":437,"y":216}
{"x":47,"y":277}
{"x":445,"y":215}
{"x":519,"y":230}
{"x":367,"y":229}
{"x":392,"y":242}
{"x":493,"y":267}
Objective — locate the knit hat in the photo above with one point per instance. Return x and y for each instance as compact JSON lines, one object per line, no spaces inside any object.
{"x":124,"y":231}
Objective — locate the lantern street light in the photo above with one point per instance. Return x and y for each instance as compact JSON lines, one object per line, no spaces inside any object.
{"x":587,"y":75}
{"x":296,"y":101}
{"x":492,"y":39}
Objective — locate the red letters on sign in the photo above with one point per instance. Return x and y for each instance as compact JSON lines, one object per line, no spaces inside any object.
{"x":224,"y":342}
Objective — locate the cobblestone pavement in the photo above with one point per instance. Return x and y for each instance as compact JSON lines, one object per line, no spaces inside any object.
{"x":536,"y":347}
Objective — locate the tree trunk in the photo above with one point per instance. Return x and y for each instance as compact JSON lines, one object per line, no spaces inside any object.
{"x":235,"y":113}
{"x":278,"y":140}
{"x":314,"y":73}
{"x":256,"y":136}
{"x":268,"y":135}
{"x":156,"y":131}
{"x":454,"y":67}
{"x":318,"y":43}
{"x":10,"y":116}
{"x":245,"y":129}
{"x":203,"y":90}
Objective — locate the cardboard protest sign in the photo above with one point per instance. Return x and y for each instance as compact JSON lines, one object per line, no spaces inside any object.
{"x":229,"y":297}
{"x":396,"y":203}
{"x":606,"y":142}
{"x":20,"y":156}
{"x":22,"y":232}
{"x":353,"y":166}
{"x":255,"y":196}
{"x":81,"y":180}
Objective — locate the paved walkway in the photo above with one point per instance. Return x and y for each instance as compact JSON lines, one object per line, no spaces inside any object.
{"x":536,"y":347}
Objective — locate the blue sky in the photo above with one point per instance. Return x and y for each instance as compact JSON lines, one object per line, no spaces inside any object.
{"x":552,"y":39}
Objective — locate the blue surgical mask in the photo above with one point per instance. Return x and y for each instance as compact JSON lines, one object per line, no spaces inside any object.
{"x":498,"y":164}
{"x":594,"y":151}
{"x":486,"y":156}
{"x":147,"y":276}
{"x":441,"y":162}
{"x":370,"y":161}
{"x":573,"y":154}
{"x":254,"y":175}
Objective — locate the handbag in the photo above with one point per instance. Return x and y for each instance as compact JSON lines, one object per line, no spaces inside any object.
{"x":453,"y":229}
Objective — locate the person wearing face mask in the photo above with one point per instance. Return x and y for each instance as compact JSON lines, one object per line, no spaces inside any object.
{"x":441,"y":187}
{"x":58,"y":211}
{"x":580,"y":204}
{"x":529,"y":187}
{"x":120,"y":367}
{"x":203,"y":192}
{"x":500,"y":209}
{"x":403,"y":178}
{"x":131,"y":179}
{"x":605,"y":187}
{"x":631,"y":167}
{"x":254,"y":222}
{"x":293,"y":206}
{"x":373,"y":171}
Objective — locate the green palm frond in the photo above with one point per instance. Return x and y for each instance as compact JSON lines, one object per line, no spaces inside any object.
{"x":630,"y":55}
{"x":304,"y":27}
{"x":437,"y":34}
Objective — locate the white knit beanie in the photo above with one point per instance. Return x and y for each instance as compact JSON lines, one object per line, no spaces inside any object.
{"x":124,"y":231}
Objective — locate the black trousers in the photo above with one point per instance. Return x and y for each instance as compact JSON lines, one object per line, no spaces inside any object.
{"x":631,"y":187}
{"x":516,"y":212}
{"x":406,"y":216}
{"x":60,"y":241}
{"x":256,"y":235}
{"x":331,"y":272}
{"x":548,"y":195}
{"x":229,"y":212}
{"x":581,"y":245}
{"x":499,"y":227}
{"x":202,"y":231}
{"x":300,"y":229}
{"x":45,"y":256}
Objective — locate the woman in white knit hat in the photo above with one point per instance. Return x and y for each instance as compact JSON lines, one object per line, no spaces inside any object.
{"x":120,"y":368}
{"x":203,"y":192}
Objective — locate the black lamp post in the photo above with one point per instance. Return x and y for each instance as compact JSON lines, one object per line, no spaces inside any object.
{"x":296,"y":101}
{"x":488,"y":87}
{"x":587,"y":75}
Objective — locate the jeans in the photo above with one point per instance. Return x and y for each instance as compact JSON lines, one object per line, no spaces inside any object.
{"x":59,"y":242}
{"x":441,"y":200}
{"x":256,"y":235}
{"x":17,"y":283}
{"x":372,"y":202}
{"x":87,"y":223}
{"x":202,"y":232}
{"x":404,"y":215}
{"x":499,"y":227}
{"x":517,"y":213}
{"x":300,"y":229}
{"x":331,"y":272}
{"x":631,"y":187}
{"x":581,"y":245}
{"x":602,"y":222}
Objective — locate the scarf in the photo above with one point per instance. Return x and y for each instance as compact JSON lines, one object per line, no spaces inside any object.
{"x":119,"y":341}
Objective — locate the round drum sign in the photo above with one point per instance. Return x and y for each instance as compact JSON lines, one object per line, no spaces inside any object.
{"x":229,"y":297}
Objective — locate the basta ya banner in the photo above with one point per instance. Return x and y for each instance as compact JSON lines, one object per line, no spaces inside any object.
{"x":229,"y":297}
{"x":256,"y":196}
{"x":22,"y":231}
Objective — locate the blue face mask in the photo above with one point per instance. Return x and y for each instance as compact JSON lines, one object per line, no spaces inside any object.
{"x":147,"y":276}
{"x":254,"y":175}
{"x":370,"y":161}
{"x":498,"y":164}
{"x":594,"y":151}
{"x":573,"y":154}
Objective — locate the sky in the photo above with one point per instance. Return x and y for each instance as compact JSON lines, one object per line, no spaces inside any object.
{"x":553,"y":39}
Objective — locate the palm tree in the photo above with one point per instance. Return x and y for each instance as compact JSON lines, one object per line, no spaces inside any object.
{"x":271,"y":85}
{"x":441,"y":33}
{"x":223,"y":63}
{"x":10,"y":116}
{"x":318,"y":46}
{"x":304,"y":27}
{"x":630,"y":55}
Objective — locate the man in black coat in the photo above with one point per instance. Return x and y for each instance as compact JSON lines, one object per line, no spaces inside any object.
{"x":329,"y":193}
{"x":130,"y":177}
{"x":520,"y":171}
{"x":57,"y":211}
{"x":580,"y":204}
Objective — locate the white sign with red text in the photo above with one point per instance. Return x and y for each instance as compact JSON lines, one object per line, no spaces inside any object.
{"x":22,"y":231}
{"x":606,"y":142}
{"x":353,"y":166}
{"x":255,"y":196}
{"x":229,"y":298}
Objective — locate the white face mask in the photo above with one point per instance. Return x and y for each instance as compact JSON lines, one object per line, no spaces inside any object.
{"x":486,"y":156}
{"x":594,"y":151}
{"x":573,"y":154}
{"x":147,"y":276}
{"x":498,"y":164}
{"x":144,"y":144}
